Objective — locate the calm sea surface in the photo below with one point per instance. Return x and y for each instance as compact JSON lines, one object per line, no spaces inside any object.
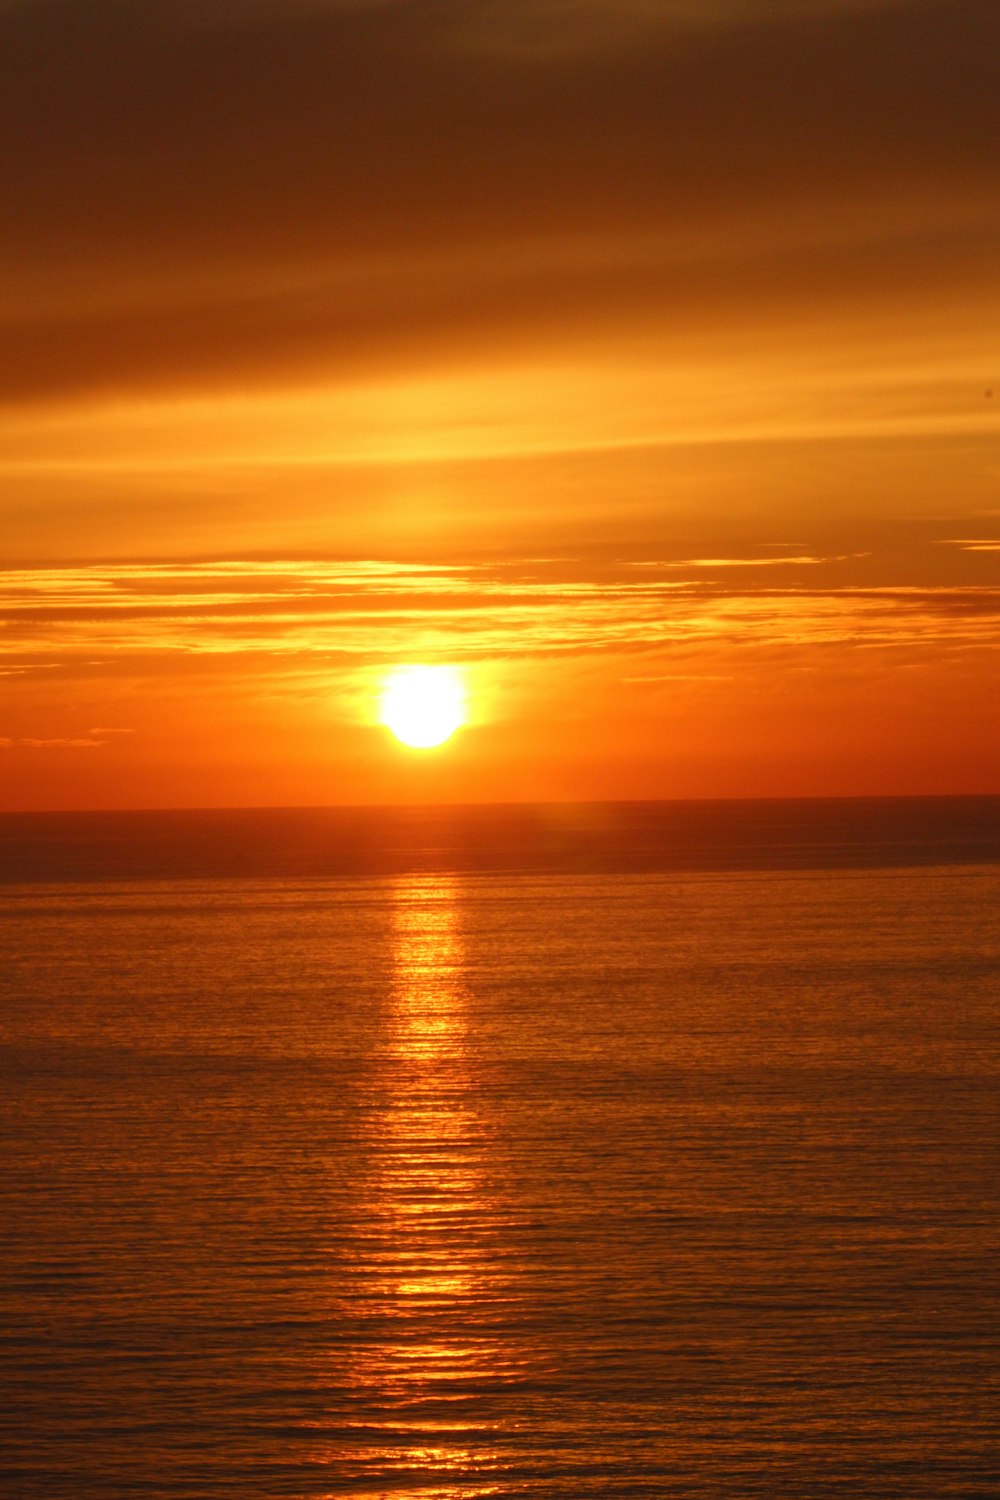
{"x":457,"y":1184}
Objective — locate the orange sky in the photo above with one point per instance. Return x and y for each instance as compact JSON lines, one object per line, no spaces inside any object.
{"x":642,"y":360}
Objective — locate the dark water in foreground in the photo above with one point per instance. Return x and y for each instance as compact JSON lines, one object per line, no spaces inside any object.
{"x":530,"y":1185}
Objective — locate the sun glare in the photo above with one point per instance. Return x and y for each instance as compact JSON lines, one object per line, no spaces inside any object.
{"x":423,"y":706}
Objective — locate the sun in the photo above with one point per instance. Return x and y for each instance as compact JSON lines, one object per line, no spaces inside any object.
{"x":423,"y":706}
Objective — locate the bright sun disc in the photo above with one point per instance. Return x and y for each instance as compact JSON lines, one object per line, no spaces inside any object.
{"x":423,"y":706}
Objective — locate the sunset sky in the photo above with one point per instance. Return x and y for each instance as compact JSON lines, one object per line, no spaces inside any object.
{"x":640,"y":358}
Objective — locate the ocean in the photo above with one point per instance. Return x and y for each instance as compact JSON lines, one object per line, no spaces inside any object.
{"x":639,"y":1150}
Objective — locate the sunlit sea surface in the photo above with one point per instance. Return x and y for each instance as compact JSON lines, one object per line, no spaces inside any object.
{"x":528,"y":1183}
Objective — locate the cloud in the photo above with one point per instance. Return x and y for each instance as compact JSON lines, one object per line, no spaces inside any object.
{"x":299,"y":617}
{"x":312,"y":189}
{"x":739,"y":562}
{"x":58,"y":743}
{"x":547,"y":27}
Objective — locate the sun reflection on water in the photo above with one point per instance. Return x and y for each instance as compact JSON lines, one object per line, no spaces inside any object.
{"x":430,"y":1259}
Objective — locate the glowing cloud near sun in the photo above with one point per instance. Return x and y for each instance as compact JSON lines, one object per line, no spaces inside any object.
{"x":423,"y":706}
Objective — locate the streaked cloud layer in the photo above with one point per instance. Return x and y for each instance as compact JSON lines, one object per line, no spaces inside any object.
{"x":317,"y":615}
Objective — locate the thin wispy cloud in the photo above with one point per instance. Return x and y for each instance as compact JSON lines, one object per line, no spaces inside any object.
{"x":99,"y":619}
{"x":58,"y":743}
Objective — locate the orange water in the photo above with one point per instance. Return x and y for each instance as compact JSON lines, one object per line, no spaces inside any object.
{"x":454,"y":1185}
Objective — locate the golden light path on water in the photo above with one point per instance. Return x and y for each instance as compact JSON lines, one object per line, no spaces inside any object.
{"x":433,"y":1229}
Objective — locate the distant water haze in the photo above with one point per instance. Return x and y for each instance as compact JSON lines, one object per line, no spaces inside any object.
{"x":555,"y":837}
